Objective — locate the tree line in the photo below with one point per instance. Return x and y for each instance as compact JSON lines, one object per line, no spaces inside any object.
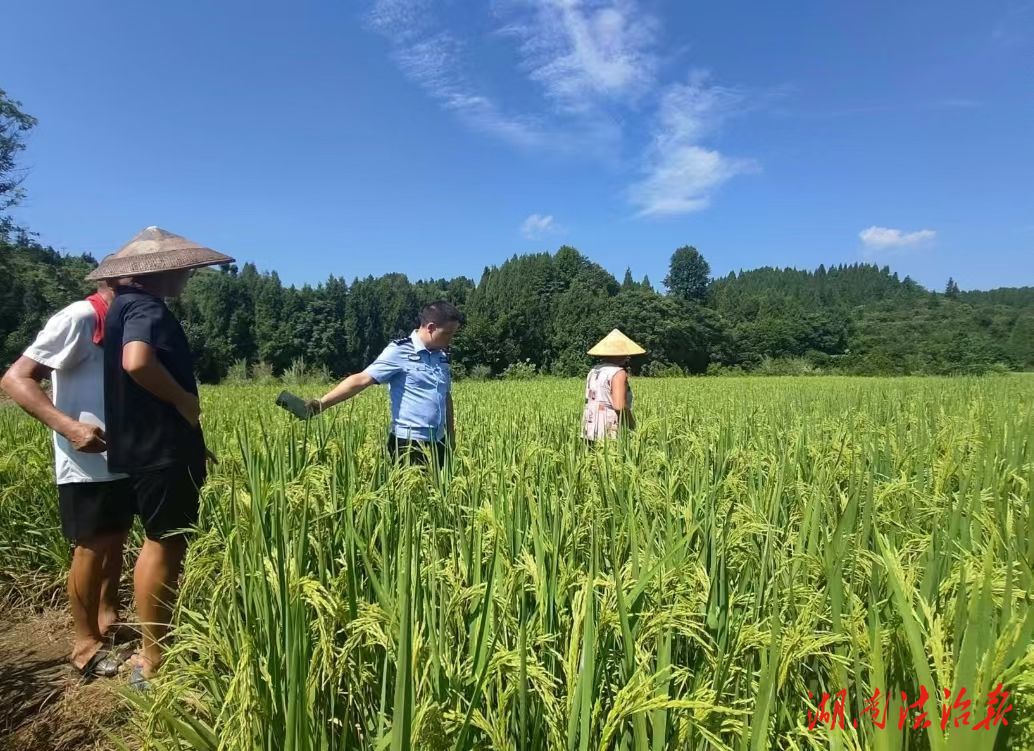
{"x":539,"y":313}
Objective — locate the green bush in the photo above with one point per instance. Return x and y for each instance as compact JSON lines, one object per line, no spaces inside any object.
{"x":480,"y":373}
{"x":262,"y":372}
{"x":301,"y":374}
{"x":788,"y":366}
{"x":520,"y":371}
{"x":322,"y":374}
{"x":571,"y":364}
{"x":296,"y":374}
{"x":658,"y":369}
{"x":238,"y":372}
{"x":717,"y":369}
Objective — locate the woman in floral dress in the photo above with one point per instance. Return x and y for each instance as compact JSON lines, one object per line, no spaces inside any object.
{"x":608,"y":395}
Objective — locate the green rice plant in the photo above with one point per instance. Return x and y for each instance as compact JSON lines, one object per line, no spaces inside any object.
{"x":684,"y":587}
{"x":34,"y":557}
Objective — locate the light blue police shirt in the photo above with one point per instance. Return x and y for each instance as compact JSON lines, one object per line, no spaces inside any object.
{"x":419,"y":382}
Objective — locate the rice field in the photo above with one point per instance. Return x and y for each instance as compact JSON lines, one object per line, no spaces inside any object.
{"x":700,"y":584}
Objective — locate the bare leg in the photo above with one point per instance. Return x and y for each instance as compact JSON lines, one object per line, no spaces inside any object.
{"x":108,"y":608}
{"x":84,"y":595}
{"x":155,"y":579}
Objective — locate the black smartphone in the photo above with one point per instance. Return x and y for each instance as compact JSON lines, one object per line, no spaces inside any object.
{"x":294,"y":404}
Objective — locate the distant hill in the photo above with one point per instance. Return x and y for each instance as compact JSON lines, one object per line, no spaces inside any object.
{"x":864,"y":319}
{"x":1013,"y":297}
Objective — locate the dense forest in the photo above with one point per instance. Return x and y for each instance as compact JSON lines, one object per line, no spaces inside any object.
{"x":539,"y":313}
{"x":543,"y":312}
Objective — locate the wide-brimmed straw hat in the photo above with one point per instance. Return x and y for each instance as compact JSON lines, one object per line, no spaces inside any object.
{"x":153,"y":251}
{"x":616,"y":344}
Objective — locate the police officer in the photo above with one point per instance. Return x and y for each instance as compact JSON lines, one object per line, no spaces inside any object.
{"x":416,"y":369}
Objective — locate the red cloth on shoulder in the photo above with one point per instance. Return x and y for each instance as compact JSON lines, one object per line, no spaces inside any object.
{"x":100,"y":311}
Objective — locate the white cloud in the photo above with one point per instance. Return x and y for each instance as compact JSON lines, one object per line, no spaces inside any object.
{"x":403,"y":21}
{"x":681,"y":174}
{"x":583,"y":52}
{"x":682,"y":180}
{"x":880,"y":238}
{"x":434,"y":59}
{"x":597,"y":64}
{"x":537,"y":226}
{"x":435,"y":63}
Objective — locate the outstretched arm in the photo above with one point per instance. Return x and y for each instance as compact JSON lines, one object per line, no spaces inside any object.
{"x":344,"y":391}
{"x":22,"y":383}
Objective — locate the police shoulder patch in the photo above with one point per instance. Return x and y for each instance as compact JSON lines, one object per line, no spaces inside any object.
{"x":403,"y":340}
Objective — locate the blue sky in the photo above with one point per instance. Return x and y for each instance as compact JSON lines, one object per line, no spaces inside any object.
{"x":435,"y":137}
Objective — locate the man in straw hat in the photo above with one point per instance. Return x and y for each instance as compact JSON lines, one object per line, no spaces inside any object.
{"x":608,"y":395}
{"x":153,"y":415}
{"x":95,"y":504}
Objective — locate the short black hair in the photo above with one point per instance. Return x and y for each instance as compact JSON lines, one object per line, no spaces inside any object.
{"x":440,"y":313}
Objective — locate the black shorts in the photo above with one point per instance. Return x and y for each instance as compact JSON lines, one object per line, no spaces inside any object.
{"x":94,"y":509}
{"x":415,"y":452}
{"x":167,"y":498}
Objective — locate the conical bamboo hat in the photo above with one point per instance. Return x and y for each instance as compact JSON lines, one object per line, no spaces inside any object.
{"x":153,"y":251}
{"x":616,"y":344}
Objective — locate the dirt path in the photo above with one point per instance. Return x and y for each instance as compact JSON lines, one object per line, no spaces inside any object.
{"x":42,"y":703}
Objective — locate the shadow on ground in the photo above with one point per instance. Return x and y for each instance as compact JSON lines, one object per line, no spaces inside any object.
{"x":43,"y":704}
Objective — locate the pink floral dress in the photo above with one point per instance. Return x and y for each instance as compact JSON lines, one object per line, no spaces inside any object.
{"x":601,"y":419}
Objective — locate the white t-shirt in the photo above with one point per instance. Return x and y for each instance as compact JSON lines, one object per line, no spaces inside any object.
{"x":66,"y":345}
